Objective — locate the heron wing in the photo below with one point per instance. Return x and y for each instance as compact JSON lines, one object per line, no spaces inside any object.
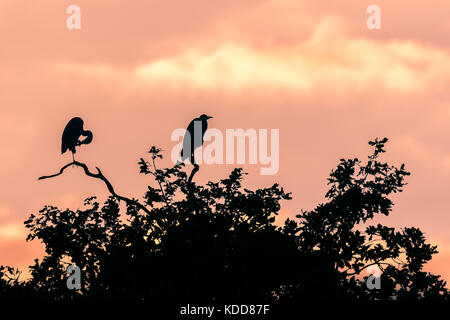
{"x":187,"y":141}
{"x":71,"y":134}
{"x":204,"y":128}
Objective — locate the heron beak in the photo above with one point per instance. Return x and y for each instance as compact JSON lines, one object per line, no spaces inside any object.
{"x":208,"y":117}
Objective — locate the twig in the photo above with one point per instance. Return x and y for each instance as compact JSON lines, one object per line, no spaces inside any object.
{"x":193,"y":172}
{"x":100,"y":176}
{"x":163,"y":194}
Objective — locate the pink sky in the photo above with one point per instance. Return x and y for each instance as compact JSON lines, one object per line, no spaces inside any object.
{"x":137,"y":70}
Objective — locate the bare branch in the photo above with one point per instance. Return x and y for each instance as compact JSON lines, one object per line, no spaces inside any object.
{"x":57,"y":174}
{"x":100,"y":176}
{"x":371,"y":264}
{"x":193,"y":172}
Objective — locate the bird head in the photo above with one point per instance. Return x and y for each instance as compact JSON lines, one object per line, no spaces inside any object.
{"x":204,"y":117}
{"x":89,"y":136}
{"x":77,"y":123}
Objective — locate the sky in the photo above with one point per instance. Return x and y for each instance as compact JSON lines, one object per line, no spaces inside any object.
{"x":138,"y":70}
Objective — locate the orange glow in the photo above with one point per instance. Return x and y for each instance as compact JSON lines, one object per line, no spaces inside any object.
{"x":137,"y":70}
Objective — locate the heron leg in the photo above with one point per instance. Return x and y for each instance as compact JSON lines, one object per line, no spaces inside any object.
{"x":73,"y":159}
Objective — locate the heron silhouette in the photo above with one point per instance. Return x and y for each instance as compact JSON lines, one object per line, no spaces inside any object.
{"x":193,"y":138}
{"x":71,"y":135}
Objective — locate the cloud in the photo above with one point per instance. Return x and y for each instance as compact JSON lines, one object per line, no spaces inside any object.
{"x":328,"y":61}
{"x":311,"y":69}
{"x":12,"y":231}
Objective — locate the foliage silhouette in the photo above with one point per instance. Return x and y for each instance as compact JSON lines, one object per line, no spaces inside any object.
{"x":219,"y":242}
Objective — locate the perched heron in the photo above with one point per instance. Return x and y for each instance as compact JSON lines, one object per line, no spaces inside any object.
{"x":71,"y":135}
{"x":193,"y":137}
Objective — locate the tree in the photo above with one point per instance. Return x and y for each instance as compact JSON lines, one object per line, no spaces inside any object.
{"x":219,"y":242}
{"x":335,"y":230}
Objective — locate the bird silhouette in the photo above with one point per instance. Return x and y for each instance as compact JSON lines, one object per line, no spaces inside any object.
{"x":192,"y":139}
{"x":71,"y":135}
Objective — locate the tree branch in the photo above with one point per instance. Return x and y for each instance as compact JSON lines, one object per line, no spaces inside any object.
{"x":100,"y":176}
{"x":379,"y":263}
{"x":163,"y":194}
{"x":193,"y":172}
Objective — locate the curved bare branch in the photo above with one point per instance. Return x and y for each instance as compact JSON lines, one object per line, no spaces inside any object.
{"x":100,"y":176}
{"x":193,"y":172}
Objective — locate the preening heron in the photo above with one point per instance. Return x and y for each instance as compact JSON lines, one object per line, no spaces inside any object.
{"x":193,"y":137}
{"x":71,"y":135}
